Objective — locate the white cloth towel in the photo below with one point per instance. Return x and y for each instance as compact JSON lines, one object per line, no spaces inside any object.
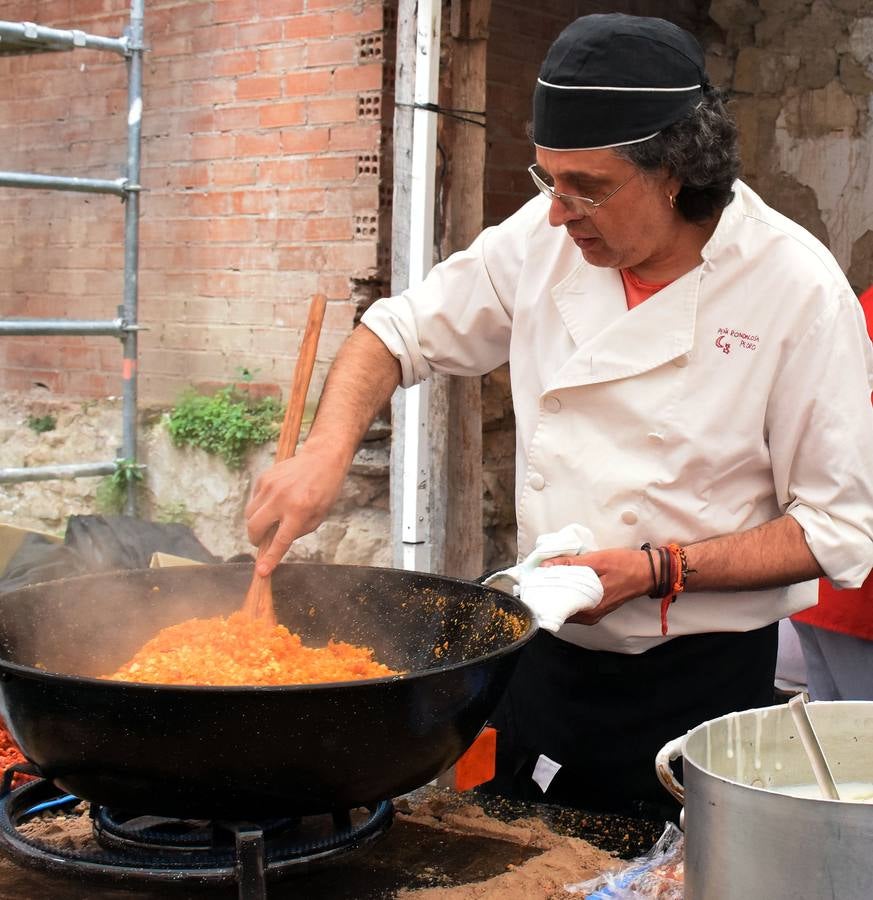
{"x":555,"y":593}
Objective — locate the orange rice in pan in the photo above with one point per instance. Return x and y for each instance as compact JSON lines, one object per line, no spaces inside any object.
{"x":240,"y":651}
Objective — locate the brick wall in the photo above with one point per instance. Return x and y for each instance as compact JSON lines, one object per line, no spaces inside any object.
{"x":513,"y":65}
{"x":262,"y":137}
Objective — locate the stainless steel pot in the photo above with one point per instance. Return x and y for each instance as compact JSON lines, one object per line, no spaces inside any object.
{"x":745,"y":840}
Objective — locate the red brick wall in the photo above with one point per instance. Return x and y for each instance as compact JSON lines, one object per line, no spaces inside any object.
{"x":262,"y":130}
{"x":513,"y":65}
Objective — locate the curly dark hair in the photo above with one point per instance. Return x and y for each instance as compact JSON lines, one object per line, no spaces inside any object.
{"x":701,"y":150}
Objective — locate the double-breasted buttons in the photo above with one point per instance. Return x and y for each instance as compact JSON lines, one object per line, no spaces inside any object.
{"x":551,"y":404}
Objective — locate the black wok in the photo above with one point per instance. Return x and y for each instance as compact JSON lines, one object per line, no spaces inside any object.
{"x":246,"y":752}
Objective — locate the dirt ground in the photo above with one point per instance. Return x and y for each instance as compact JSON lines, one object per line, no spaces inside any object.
{"x":422,"y":858}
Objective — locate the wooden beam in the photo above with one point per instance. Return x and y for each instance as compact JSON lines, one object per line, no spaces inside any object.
{"x":454,"y":426}
{"x":465,"y":147}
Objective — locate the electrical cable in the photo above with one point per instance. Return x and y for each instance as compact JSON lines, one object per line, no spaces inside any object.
{"x":448,"y":111}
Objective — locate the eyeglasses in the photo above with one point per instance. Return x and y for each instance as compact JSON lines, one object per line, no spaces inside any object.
{"x":583,"y":206}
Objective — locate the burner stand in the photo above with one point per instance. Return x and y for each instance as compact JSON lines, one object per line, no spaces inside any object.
{"x":132,"y":848}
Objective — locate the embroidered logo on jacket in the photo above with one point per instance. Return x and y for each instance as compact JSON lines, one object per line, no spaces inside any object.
{"x":742,"y":340}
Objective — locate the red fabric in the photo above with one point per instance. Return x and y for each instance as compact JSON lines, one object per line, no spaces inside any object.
{"x":850,"y":611}
{"x":867,"y":305}
{"x":636,"y":290}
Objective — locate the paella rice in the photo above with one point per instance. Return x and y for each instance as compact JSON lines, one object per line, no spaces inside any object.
{"x":11,"y":755}
{"x":238,"y":650}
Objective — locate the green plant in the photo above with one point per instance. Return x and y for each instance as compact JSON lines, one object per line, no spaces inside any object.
{"x":42,"y":423}
{"x":169,"y":513}
{"x":227,"y":423}
{"x":247,"y":376}
{"x":112,"y":490}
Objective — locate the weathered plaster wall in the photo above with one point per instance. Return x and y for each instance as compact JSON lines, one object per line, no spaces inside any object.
{"x":183,"y":485}
{"x":801,"y":74}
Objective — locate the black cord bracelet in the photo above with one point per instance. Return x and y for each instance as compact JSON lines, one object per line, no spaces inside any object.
{"x":664,"y":583}
{"x":648,"y":548}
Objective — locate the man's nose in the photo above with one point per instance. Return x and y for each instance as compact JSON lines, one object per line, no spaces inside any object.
{"x":559,"y":214}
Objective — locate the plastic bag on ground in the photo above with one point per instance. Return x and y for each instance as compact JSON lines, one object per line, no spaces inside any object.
{"x":658,"y":875}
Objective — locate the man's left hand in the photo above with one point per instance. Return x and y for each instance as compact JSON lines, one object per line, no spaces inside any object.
{"x":624,"y":574}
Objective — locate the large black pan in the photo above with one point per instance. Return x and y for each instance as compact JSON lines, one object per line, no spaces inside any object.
{"x":213,"y":752}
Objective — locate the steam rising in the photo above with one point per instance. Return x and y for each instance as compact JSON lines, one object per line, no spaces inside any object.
{"x":92,"y":625}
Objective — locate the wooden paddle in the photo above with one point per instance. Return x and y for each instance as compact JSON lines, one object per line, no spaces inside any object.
{"x":259,"y":598}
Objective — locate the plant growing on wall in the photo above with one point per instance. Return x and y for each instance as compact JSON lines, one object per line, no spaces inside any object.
{"x":175,"y":513}
{"x":112,"y":490}
{"x":227,"y":423}
{"x":39,"y":424}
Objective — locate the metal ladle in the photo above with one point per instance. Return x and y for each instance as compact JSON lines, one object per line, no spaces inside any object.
{"x":809,"y":739}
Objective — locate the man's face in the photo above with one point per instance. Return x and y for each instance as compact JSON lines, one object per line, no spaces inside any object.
{"x":631,"y":227}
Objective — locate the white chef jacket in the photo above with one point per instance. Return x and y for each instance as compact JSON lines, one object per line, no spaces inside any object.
{"x":739,"y":392}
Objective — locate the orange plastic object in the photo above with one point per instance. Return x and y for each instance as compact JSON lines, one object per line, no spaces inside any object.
{"x":478,"y":764}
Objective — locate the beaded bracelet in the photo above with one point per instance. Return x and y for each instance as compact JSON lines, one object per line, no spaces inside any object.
{"x":671,"y":578}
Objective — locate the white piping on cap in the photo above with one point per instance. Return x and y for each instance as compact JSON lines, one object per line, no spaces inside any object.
{"x":602,"y":147}
{"x":588,"y":87}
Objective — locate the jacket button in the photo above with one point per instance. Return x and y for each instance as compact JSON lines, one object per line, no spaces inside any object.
{"x":681,"y":361}
{"x":552,"y":404}
{"x":629,"y":517}
{"x":655,"y":437}
{"x":537,"y":482}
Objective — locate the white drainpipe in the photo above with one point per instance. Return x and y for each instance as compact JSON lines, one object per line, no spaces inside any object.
{"x":416,"y":446}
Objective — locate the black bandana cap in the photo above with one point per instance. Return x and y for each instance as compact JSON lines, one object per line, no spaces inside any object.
{"x":613,"y":79}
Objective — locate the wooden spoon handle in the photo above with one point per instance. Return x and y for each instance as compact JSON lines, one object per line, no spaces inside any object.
{"x":290,"y":432}
{"x":259,"y":599}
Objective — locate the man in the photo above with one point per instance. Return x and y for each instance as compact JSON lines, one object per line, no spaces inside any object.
{"x":671,"y":343}
{"x":836,"y":636}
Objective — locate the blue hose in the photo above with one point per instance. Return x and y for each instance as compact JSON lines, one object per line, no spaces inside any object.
{"x":51,"y":804}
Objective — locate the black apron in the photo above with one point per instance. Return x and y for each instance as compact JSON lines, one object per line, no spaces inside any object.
{"x":604,"y":716}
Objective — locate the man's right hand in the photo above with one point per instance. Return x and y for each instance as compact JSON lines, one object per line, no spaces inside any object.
{"x":295,"y":495}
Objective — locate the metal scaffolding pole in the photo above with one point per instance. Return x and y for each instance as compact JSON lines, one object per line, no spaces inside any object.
{"x":128,"y":309}
{"x":28,"y":37}
{"x":62,"y":183}
{"x":111,"y":328}
{"x":48,"y":473}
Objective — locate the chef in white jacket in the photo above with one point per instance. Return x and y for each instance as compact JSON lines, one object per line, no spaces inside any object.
{"x":691,"y":374}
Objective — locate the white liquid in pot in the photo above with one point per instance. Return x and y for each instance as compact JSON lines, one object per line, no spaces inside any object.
{"x":850,"y":791}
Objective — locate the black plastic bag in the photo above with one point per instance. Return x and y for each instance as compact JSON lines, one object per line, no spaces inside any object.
{"x":99,"y":544}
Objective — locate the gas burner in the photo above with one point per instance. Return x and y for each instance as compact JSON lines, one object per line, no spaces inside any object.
{"x":129,"y":847}
{"x":124,"y":831}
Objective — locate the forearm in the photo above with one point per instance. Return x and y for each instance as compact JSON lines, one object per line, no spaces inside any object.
{"x":359,"y":384}
{"x":771,"y":555}
{"x":297,"y":493}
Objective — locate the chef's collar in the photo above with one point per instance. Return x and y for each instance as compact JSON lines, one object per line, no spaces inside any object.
{"x":610,"y":80}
